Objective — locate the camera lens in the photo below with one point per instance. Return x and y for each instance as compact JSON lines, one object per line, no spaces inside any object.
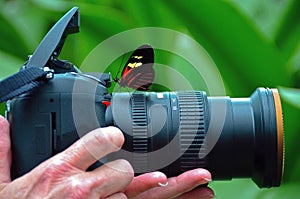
{"x":178,"y":131}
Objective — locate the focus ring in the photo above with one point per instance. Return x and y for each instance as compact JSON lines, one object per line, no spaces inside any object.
{"x":139,"y":131}
{"x":192,"y":129}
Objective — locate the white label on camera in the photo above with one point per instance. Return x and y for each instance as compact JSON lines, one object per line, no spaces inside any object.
{"x":160,"y":95}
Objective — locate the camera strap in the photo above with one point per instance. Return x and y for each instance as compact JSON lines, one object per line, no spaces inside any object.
{"x":21,"y":82}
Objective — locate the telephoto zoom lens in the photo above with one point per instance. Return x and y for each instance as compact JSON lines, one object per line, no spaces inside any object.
{"x":178,"y":131}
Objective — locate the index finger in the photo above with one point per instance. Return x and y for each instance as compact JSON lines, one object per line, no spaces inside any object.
{"x":93,"y":146}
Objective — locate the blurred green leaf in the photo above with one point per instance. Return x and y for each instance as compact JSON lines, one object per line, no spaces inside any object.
{"x":238,"y":188}
{"x":291,"y":95}
{"x":288,"y":191}
{"x":291,"y":110}
{"x":10,"y":38}
{"x":2,"y":108}
{"x":237,"y":48}
{"x":288,"y":33}
{"x":10,"y":66}
{"x":265,"y":15}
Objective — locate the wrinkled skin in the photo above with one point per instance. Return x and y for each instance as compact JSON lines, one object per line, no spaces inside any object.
{"x":65,"y":176}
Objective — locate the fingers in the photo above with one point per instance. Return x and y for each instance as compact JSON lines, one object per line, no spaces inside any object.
{"x":5,"y":151}
{"x":93,"y":146}
{"x":145,"y":182}
{"x":179,"y":185}
{"x":110,"y":178}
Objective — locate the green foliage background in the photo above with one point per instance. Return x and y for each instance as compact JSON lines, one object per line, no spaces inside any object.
{"x":253,"y":43}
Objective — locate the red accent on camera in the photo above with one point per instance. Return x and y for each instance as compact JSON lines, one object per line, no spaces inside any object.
{"x":106,"y":103}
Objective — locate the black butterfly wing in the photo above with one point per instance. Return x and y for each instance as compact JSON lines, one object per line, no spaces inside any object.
{"x":138,"y":72}
{"x":139,"y":78}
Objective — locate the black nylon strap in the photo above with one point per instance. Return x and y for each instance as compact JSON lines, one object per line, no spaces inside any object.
{"x":20,"y":83}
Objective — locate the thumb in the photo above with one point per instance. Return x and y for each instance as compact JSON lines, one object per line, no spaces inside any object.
{"x":5,"y":151}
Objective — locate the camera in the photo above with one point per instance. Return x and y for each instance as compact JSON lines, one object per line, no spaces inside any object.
{"x":168,"y":131}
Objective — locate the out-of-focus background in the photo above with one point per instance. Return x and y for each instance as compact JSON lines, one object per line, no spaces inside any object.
{"x":253,"y":43}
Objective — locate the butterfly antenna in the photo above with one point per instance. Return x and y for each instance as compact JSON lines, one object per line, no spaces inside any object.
{"x":116,"y":79}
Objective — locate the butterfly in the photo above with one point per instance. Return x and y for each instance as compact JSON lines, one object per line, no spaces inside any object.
{"x":138,"y":72}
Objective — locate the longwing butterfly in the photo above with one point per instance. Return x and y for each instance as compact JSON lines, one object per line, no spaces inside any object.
{"x":138,"y":72}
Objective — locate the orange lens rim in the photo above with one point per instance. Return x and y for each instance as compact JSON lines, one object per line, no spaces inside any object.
{"x":280,"y":131}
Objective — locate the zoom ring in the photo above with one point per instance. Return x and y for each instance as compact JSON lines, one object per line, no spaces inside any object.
{"x":139,"y":131}
{"x":192,"y":129}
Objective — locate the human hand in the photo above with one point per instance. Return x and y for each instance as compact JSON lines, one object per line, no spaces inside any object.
{"x":64,"y":176}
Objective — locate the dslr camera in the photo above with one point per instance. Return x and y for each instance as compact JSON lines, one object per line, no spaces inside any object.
{"x":51,"y":104}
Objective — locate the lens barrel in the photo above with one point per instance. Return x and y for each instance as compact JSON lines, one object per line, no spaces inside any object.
{"x":251,"y":141}
{"x":178,"y":131}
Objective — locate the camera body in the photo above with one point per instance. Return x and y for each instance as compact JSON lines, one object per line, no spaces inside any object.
{"x":41,"y":120}
{"x":169,"y":131}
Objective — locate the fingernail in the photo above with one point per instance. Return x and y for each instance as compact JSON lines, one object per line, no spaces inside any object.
{"x":163,"y":179}
{"x":203,"y":173}
{"x":207,"y":179}
{"x":163,"y":184}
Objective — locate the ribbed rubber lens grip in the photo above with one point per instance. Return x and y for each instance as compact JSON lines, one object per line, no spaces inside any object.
{"x":139,"y":130}
{"x":192,"y":129}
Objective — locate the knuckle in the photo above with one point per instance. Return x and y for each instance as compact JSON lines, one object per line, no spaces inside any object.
{"x":57,"y":168}
{"x":76,"y":189}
